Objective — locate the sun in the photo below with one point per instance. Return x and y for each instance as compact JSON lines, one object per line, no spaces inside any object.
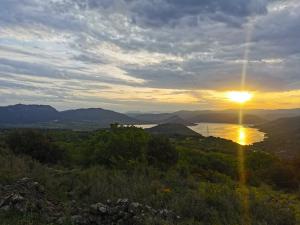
{"x":239,"y":96}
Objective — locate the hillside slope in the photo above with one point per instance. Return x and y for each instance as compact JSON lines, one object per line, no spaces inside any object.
{"x":283,"y":137}
{"x":173,"y":129}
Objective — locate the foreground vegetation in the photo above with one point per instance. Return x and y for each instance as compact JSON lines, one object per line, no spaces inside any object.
{"x":195,"y":177}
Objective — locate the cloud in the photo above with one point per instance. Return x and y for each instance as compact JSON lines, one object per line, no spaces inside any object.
{"x":172,"y":12}
{"x":60,"y":48}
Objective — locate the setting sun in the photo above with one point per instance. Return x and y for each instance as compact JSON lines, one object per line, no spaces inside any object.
{"x":239,"y":96}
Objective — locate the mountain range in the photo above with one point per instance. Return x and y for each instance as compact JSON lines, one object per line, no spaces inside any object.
{"x":192,"y":117}
{"x":45,"y":116}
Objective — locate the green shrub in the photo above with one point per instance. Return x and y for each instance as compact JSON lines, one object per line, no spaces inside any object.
{"x":161,"y":153}
{"x":115,"y":147}
{"x":264,"y":167}
{"x":35,"y":144}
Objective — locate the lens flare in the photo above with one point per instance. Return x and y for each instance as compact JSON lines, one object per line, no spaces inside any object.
{"x":242,"y":97}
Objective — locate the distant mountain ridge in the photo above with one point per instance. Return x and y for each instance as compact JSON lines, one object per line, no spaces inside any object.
{"x":47,"y":116}
{"x":265,"y":114}
{"x":18,"y":114}
{"x":161,"y":118}
{"x":217,"y":117}
{"x":96,"y":115}
{"x":192,"y":117}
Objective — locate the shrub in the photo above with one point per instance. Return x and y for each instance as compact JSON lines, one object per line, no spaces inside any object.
{"x":35,"y":144}
{"x":264,"y":167}
{"x":120,"y":145}
{"x":161,"y":153}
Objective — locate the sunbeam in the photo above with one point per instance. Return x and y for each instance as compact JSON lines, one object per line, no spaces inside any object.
{"x":242,"y":97}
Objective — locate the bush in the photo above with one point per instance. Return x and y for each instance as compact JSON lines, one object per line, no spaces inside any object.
{"x":200,"y":162}
{"x":35,"y":144}
{"x":264,"y":167}
{"x":122,"y":147}
{"x":118,"y":146}
{"x":283,"y":177}
{"x":161,"y":153}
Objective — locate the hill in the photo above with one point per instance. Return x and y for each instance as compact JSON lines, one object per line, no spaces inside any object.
{"x":253,"y":116}
{"x":214,"y":117}
{"x":160,"y":118}
{"x":191,"y":117}
{"x":23,"y":114}
{"x":284,"y":126}
{"x":173,"y":129}
{"x":283,"y":137}
{"x":275,"y":114}
{"x":44,"y":116}
{"x":103,"y":116}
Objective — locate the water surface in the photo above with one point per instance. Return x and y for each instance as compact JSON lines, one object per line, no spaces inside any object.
{"x":243,"y":135}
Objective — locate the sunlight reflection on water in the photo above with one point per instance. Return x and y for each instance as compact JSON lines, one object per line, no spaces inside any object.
{"x":240,"y":134}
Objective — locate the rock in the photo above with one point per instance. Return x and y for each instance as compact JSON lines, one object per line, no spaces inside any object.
{"x":123,"y":201}
{"x":61,"y":220}
{"x":17,"y":198}
{"x":99,"y":208}
{"x":78,"y":219}
{"x":28,"y":196}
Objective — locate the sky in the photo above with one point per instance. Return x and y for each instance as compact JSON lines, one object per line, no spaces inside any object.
{"x":149,"y":55}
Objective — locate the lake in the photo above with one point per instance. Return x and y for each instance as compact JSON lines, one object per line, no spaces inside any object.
{"x":243,"y":135}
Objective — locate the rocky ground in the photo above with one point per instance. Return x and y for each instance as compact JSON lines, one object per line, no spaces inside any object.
{"x":27,"y":196}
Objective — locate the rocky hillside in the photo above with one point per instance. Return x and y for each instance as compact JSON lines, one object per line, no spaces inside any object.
{"x":27,"y":196}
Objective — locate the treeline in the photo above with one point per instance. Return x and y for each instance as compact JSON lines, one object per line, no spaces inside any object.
{"x":115,"y":147}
